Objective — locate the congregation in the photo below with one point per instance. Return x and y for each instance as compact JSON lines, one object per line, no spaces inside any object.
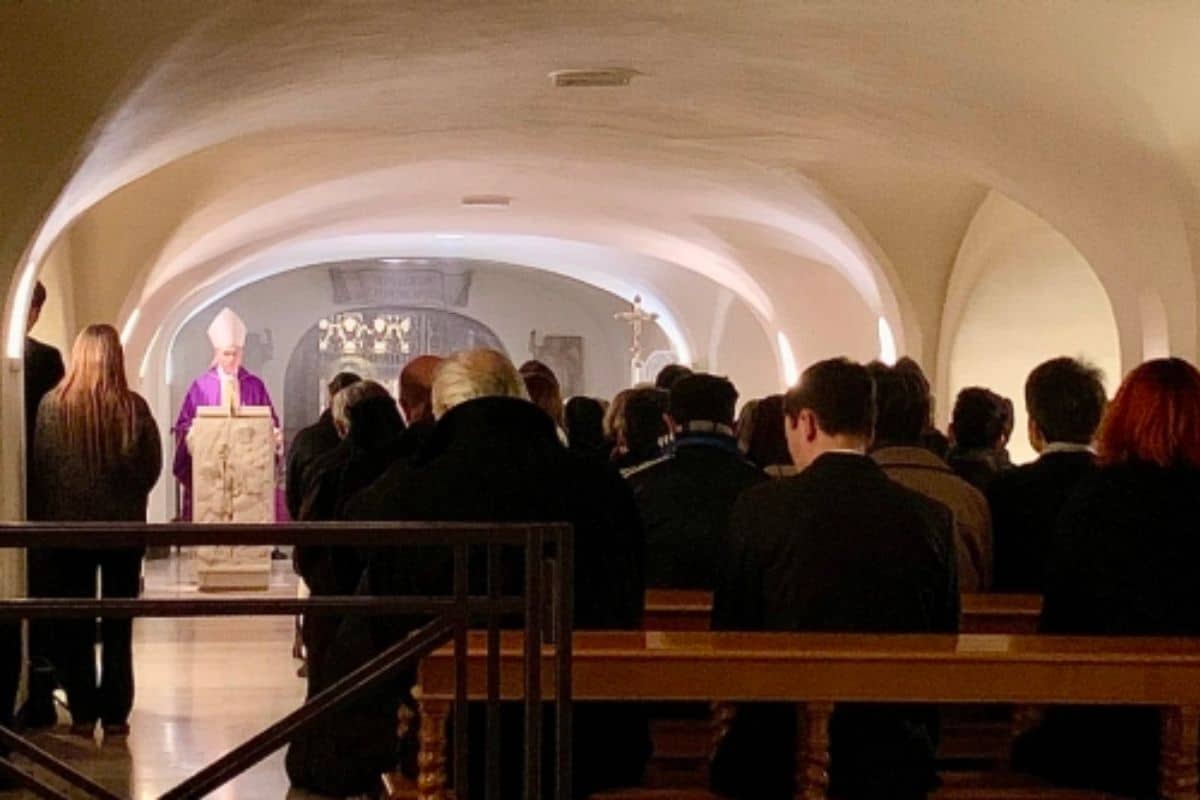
{"x":835,"y":506}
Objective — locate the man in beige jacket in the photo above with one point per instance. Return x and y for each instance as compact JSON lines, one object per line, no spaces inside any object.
{"x":902,"y":408}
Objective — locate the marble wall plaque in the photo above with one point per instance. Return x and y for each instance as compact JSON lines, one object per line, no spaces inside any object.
{"x":406,"y":286}
{"x":564,"y":355}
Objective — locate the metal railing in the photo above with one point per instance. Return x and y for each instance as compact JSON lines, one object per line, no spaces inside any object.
{"x":547,"y":549}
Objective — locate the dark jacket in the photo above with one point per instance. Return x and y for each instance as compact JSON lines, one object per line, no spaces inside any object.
{"x":1123,"y":561}
{"x":377,"y":439}
{"x":839,"y":548}
{"x":309,"y":445}
{"x":65,"y":488}
{"x":978,"y":466}
{"x":1025,"y":504}
{"x":497,"y":459}
{"x":43,"y":370}
{"x":685,"y":502}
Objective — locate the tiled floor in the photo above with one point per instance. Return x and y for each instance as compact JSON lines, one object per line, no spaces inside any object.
{"x":203,"y":686}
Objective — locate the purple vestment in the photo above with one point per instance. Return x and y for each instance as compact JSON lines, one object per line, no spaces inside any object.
{"x":206,"y":391}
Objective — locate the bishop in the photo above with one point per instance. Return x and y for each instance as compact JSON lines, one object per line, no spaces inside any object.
{"x":226,"y":384}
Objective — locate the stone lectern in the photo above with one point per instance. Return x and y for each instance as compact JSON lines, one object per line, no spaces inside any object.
{"x":233,"y":480}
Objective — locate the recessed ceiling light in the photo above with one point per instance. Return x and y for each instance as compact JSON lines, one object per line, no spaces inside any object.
{"x":589,"y":78}
{"x":486,"y":201}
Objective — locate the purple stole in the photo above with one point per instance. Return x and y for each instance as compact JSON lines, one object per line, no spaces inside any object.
{"x":206,"y":391}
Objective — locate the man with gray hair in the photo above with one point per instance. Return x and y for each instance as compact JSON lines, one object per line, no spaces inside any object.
{"x":494,"y":456}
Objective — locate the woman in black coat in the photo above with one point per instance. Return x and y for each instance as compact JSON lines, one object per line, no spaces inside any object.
{"x":373,"y":430}
{"x":97,"y":454}
{"x":1125,"y":561}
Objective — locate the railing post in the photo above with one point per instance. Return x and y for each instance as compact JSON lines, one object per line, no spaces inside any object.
{"x":533,"y":662}
{"x":812,"y":753}
{"x":1180,"y":741}
{"x":462,"y":622}
{"x":431,"y":755}
{"x":564,"y":616}
{"x":492,"y":756}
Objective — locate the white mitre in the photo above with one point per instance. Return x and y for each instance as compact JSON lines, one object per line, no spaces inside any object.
{"x":227,"y":330}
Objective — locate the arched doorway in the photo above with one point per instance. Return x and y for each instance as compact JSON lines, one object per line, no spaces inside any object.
{"x":374,"y":342}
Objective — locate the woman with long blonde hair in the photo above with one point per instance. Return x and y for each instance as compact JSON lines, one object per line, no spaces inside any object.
{"x":97,"y":454}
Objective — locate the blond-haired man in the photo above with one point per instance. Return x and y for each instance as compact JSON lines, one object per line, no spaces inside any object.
{"x":494,"y":456}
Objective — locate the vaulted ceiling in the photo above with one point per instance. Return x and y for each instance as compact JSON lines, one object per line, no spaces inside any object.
{"x":178,"y":145}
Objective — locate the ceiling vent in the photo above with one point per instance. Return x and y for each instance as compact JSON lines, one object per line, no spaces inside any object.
{"x":486,"y":201}
{"x":609,"y":76}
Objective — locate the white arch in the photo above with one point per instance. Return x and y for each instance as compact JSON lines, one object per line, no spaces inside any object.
{"x":587,"y":263}
{"x":1020,"y":293}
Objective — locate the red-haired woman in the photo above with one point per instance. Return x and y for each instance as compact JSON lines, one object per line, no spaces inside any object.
{"x":1125,"y":561}
{"x":97,"y":454}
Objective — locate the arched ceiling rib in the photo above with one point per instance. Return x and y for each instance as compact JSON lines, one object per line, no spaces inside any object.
{"x":703,"y":223}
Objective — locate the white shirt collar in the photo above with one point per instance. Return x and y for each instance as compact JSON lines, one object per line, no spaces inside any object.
{"x":1067,"y":447}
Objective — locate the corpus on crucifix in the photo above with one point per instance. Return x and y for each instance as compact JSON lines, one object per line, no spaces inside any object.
{"x":636,"y":317}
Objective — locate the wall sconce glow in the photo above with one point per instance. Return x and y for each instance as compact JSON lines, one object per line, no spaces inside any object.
{"x":887,"y":343}
{"x":791,"y":373}
{"x":130,"y":324}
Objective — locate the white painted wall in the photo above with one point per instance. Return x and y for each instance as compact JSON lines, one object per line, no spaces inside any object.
{"x":746,"y":356}
{"x":1022,"y":294}
{"x":510,"y":301}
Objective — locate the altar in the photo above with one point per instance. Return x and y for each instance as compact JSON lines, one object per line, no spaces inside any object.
{"x":233,"y":480}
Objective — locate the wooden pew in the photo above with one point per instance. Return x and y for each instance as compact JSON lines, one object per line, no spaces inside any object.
{"x":970,"y":736}
{"x":688,"y":610}
{"x":817,"y":670}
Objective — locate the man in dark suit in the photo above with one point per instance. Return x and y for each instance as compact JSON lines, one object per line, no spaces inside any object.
{"x":1065,"y":400}
{"x":685,"y":499}
{"x":43,"y":371}
{"x":840,"y":548}
{"x":313,"y":442}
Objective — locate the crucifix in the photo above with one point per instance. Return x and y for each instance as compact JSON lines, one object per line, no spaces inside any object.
{"x":636,"y":316}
